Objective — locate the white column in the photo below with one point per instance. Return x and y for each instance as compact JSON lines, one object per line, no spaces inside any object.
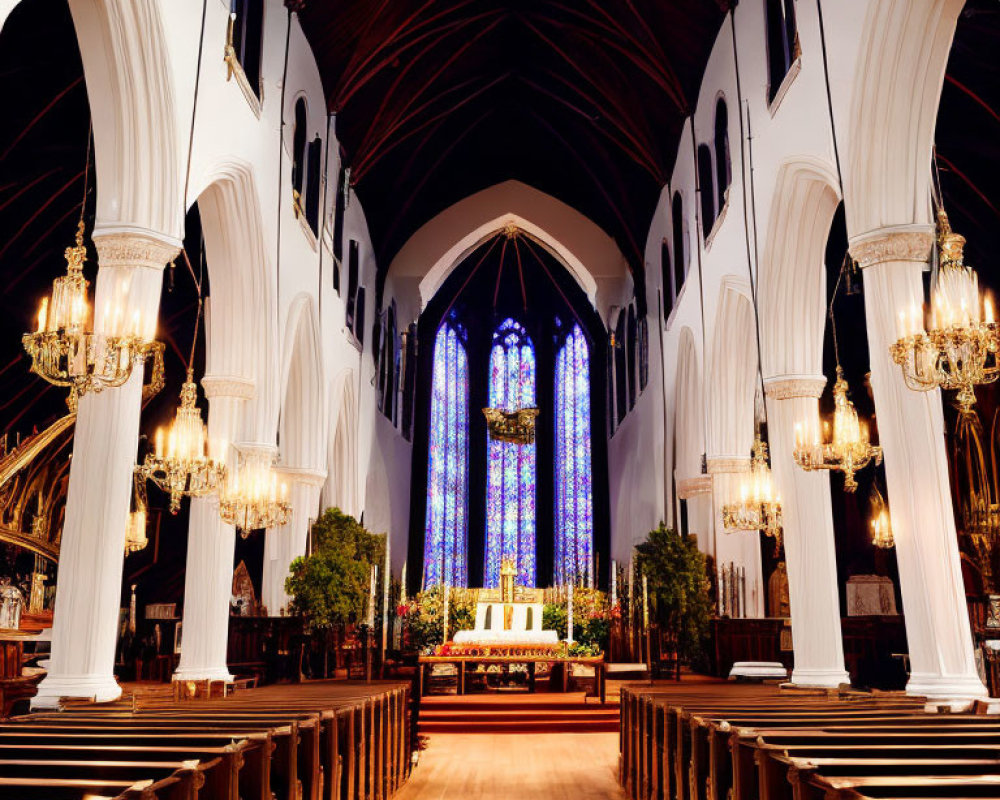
{"x":85,"y":627}
{"x":911,"y":430}
{"x":810,"y":554}
{"x":208,"y":577}
{"x":739,"y":547}
{"x":288,"y":542}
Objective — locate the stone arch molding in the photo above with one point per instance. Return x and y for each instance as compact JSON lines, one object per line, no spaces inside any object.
{"x":792,"y":293}
{"x":240,"y":318}
{"x":135,"y":115}
{"x":441,"y":244}
{"x":690,"y":410}
{"x":303,"y":421}
{"x":733,"y":372}
{"x":342,"y":488}
{"x":894,"y":105}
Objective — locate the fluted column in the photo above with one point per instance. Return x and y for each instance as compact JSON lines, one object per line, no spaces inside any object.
{"x":288,"y":542}
{"x":741,"y":548}
{"x":810,"y":554}
{"x":85,"y":627}
{"x":911,"y":430}
{"x":208,"y":576}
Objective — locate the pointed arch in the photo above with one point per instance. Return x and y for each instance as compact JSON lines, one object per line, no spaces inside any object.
{"x":303,"y":423}
{"x":240,"y":344}
{"x":689,"y":428}
{"x":733,"y":380}
{"x":341,"y":489}
{"x":793,"y":293}
{"x":127,"y":66}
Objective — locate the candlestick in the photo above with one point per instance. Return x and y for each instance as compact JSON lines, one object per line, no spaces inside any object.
{"x":645,"y":602}
{"x":444,"y":637}
{"x":569,"y":614}
{"x":371,"y":596}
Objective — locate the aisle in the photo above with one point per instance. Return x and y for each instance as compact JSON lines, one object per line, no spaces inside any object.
{"x":544,"y":766}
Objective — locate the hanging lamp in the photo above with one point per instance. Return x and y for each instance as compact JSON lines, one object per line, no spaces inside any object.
{"x":847,"y":447}
{"x":66,"y":351}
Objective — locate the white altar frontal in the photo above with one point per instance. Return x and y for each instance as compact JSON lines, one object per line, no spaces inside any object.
{"x":507,"y":623}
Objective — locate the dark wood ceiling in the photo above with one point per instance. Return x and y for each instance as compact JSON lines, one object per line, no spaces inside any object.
{"x":583,"y":99}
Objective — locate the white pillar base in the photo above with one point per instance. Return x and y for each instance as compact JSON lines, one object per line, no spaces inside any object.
{"x":827,"y":679}
{"x":205,"y":674}
{"x":100,"y":688}
{"x":946,"y":687}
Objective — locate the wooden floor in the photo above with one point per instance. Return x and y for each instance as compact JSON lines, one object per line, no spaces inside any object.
{"x":557,"y":766}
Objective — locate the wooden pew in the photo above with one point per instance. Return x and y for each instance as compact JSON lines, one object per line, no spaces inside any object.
{"x":254,"y":777}
{"x":179,"y":780}
{"x":222,"y":783}
{"x":923,"y":780}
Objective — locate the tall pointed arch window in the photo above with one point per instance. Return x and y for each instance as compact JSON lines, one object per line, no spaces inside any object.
{"x":510,"y":468}
{"x":447,"y":521}
{"x":574,"y":512}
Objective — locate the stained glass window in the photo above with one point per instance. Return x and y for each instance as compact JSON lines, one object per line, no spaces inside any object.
{"x":574,"y":512}
{"x":510,"y":476}
{"x":446,"y":530}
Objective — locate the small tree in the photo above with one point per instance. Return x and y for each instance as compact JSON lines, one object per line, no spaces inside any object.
{"x":330,"y":586}
{"x":678,"y":588}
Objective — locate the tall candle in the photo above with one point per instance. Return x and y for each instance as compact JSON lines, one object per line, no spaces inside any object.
{"x":569,"y":614}
{"x":402,"y":586}
{"x":371,"y":596}
{"x":614,"y":582}
{"x":447,"y":593}
{"x":645,"y":602}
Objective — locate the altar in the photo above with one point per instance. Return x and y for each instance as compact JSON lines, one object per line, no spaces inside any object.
{"x":510,"y":615}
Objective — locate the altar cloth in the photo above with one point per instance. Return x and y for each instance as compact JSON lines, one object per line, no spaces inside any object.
{"x":505,"y":637}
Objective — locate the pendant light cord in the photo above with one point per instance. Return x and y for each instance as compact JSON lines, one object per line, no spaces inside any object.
{"x":86,"y":168}
{"x":747,"y":136}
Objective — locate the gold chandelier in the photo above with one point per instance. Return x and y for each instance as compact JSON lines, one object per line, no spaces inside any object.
{"x":65,"y":352}
{"x":759,"y":508}
{"x":180,"y":463}
{"x":516,"y":427}
{"x":847,"y":451}
{"x":960,"y":349}
{"x":250,"y":497}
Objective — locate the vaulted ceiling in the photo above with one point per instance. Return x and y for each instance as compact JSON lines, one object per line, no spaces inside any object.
{"x":583,"y":99}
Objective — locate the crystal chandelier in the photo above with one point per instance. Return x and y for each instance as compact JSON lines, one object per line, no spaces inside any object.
{"x":960,"y":349}
{"x":180,"y":463}
{"x":848,"y":450}
{"x":250,"y":497}
{"x":65,"y":353}
{"x":759,"y":508}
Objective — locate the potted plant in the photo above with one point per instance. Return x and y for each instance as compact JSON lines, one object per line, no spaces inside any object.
{"x":330,"y":586}
{"x":678,"y":587}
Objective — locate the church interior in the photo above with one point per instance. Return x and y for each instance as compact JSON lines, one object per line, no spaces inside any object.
{"x":499,"y":398}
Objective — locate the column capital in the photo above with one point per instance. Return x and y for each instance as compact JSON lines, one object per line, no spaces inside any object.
{"x":228,"y":386}
{"x":786,"y":387}
{"x":692,"y":487}
{"x":134,"y":247}
{"x":304,"y":475}
{"x":728,"y":464}
{"x":263,"y":449}
{"x":893,"y":243}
